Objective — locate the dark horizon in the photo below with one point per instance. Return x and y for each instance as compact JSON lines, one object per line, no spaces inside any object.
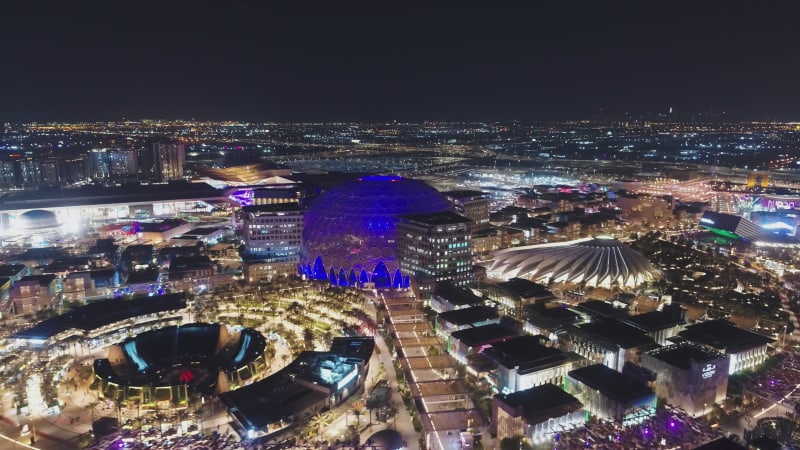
{"x":377,"y":62}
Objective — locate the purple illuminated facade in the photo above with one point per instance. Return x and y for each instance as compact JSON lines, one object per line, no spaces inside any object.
{"x":349,"y":237}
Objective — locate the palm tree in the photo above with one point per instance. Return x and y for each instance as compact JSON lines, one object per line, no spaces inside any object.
{"x":358,"y":410}
{"x":318,"y":423}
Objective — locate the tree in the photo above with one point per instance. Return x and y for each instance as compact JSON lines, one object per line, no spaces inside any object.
{"x":358,"y":410}
{"x":319,"y":423}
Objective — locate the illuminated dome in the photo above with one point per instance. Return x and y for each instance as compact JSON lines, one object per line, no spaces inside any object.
{"x":37,"y":219}
{"x":349,"y":233}
{"x":602,"y":262}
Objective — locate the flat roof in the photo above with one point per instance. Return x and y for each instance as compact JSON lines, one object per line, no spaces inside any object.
{"x":483,"y":335}
{"x":616,"y":332}
{"x":551,"y":316}
{"x":456,"y":295}
{"x":524,"y":288}
{"x":105,"y":312}
{"x":682,"y":355}
{"x":469,"y":315}
{"x":354,"y":347}
{"x":437,"y":218}
{"x":465,"y":193}
{"x":274,"y":208}
{"x":612,"y":384}
{"x":600,"y":308}
{"x":526,"y":352}
{"x":724,"y":336}
{"x":101,"y":195}
{"x":654,"y":320}
{"x":541,"y":402}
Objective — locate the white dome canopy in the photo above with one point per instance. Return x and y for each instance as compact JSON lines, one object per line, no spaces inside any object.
{"x":596,"y":262}
{"x":37,"y":219}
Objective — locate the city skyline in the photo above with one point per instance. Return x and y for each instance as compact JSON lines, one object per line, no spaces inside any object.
{"x":359,"y":61}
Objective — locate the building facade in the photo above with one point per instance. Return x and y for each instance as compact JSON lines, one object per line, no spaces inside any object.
{"x":435,"y":247}
{"x":272,"y":237}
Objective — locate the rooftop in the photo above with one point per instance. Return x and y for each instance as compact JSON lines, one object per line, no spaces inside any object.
{"x":655,"y":320}
{"x":527,"y":353}
{"x":616,"y":332}
{"x":457,"y":295}
{"x":486,"y":334}
{"x":100,"y":195}
{"x":467,"y":194}
{"x":612,"y":384}
{"x":724,"y":336}
{"x":102,"y":313}
{"x":682,"y":355}
{"x":524,"y":288}
{"x":436,"y":218}
{"x":541,"y":402}
{"x":469,"y":315}
{"x":600,"y":308}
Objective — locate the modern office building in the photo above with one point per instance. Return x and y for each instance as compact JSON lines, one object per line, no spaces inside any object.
{"x":610,"y":395}
{"x":689,"y":376}
{"x":113,"y":164}
{"x":433,"y":248}
{"x":167,"y":160}
{"x":272,"y":235}
{"x":474,"y":205}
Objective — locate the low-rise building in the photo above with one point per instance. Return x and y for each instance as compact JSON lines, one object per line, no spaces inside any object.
{"x":745,"y":348}
{"x":448,"y":297}
{"x":610,"y":395}
{"x":660,"y":325}
{"x":460,"y":319}
{"x":462,"y":344}
{"x":537,"y":413}
{"x":524,"y":362}
{"x":689,"y":376}
{"x":517,"y":293}
{"x":609,"y":342}
{"x":34,"y":293}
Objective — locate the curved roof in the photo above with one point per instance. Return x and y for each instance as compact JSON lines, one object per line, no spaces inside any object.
{"x":154,"y":352}
{"x":38,"y":218}
{"x":352,"y":226}
{"x":594,"y":261}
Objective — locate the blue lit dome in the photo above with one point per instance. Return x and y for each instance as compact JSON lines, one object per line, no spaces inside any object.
{"x":349,"y":233}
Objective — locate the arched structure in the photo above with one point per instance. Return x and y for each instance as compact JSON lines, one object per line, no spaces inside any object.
{"x":163,"y":365}
{"x":595,"y":262}
{"x":349,"y":235}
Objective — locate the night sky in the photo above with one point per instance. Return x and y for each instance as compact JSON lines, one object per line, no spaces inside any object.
{"x":380,"y":60}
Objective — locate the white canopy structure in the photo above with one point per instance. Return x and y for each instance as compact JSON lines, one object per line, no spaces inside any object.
{"x":595,"y":261}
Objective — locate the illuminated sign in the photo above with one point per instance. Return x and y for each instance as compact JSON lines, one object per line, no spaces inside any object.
{"x":708,"y":221}
{"x":708,"y":371}
{"x":771,"y":204}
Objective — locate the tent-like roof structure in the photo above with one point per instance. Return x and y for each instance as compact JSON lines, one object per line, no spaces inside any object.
{"x":597,"y":262}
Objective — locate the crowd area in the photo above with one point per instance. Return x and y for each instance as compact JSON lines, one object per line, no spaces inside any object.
{"x":780,"y":383}
{"x":670,"y":427}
